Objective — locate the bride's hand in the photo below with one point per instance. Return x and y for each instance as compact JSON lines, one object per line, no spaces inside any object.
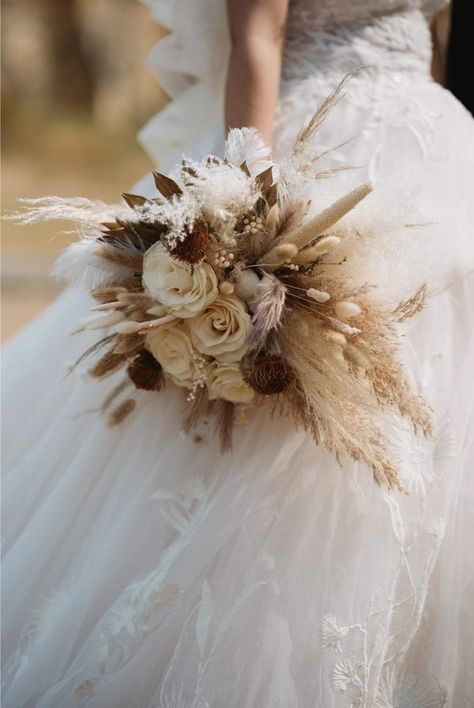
{"x":253,"y":79}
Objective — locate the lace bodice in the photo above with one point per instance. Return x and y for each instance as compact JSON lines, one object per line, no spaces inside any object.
{"x":386,"y":43}
{"x":342,"y":35}
{"x":331,"y":13}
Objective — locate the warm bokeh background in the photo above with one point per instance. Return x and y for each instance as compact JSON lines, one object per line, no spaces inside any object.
{"x":75,"y":92}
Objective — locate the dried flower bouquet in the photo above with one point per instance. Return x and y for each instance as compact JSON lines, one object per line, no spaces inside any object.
{"x":228,"y":285}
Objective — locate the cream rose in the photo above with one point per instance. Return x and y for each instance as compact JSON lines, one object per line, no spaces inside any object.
{"x":221,"y":329}
{"x":182,"y":289}
{"x":226,"y":381}
{"x":171,"y":346}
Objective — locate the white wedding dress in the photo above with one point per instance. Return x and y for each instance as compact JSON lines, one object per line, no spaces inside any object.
{"x":144,"y":570}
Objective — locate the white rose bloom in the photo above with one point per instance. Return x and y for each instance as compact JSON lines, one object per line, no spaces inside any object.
{"x":180,"y":288}
{"x":226,"y":381}
{"x":222,"y":328}
{"x":171,"y":346}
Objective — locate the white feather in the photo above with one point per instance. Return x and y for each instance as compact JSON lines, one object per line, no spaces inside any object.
{"x":247,"y":145}
{"x":80,"y":265}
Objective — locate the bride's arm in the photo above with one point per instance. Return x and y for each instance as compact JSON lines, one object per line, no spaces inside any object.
{"x":437,"y":69}
{"x":253,"y":79}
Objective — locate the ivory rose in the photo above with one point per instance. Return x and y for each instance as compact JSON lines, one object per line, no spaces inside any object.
{"x":221,"y":329}
{"x":171,"y":346}
{"x":225,"y":380}
{"x":182,"y":289}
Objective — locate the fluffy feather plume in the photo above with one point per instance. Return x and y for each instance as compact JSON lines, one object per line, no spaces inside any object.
{"x":268,"y":311}
{"x":80,"y":264}
{"x":245,"y":145}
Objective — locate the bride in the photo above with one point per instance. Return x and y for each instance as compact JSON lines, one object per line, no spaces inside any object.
{"x":143,"y":569}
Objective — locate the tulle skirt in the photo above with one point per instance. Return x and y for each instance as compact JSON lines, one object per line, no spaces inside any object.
{"x":143,"y":568}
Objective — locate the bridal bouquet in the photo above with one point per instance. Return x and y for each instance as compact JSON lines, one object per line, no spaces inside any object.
{"x":232,"y":286}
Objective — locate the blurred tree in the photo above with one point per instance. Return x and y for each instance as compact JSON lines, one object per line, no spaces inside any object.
{"x":70,"y":77}
{"x":72,"y":58}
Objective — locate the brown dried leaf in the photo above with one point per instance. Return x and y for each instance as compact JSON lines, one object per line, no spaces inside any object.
{"x":165,"y":185}
{"x":134,"y":200}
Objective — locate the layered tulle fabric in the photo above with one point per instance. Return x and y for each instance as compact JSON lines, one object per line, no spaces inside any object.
{"x":190,"y":64}
{"x":145,"y":569}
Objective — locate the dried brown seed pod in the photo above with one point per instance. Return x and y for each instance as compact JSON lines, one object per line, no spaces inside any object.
{"x":268,"y":374}
{"x":146,"y":372}
{"x":194,"y":245}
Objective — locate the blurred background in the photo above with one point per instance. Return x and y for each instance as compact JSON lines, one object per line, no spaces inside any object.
{"x":75,"y":92}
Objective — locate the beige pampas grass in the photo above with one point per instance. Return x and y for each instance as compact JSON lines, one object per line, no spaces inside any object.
{"x":411,"y":306}
{"x":308,"y":132}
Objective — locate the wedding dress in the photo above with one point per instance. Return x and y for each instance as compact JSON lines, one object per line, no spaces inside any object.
{"x":145,"y":569}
